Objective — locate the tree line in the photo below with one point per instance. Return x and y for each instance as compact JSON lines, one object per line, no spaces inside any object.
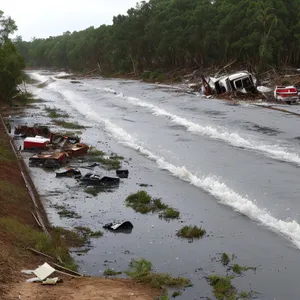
{"x":11,"y":62}
{"x":170,"y":34}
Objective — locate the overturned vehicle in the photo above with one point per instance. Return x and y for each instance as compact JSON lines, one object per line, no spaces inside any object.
{"x":243,"y":82}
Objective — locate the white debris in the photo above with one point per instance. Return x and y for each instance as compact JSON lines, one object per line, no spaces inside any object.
{"x":44,"y":271}
{"x":264,"y":89}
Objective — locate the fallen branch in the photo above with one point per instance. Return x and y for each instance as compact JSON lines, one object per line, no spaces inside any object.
{"x":41,"y":253}
{"x":66,"y":269}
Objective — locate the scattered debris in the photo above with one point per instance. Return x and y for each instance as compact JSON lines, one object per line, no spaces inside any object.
{"x":68,"y":172}
{"x":35,"y":143}
{"x":47,"y":160}
{"x":44,"y":271}
{"x":110,"y":272}
{"x":125,"y":227}
{"x":91,"y":179}
{"x":50,"y":281}
{"x":122,"y":173}
{"x":76,"y":150}
{"x":32,"y":131}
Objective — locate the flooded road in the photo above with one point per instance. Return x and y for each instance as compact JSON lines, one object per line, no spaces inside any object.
{"x":231,"y":169}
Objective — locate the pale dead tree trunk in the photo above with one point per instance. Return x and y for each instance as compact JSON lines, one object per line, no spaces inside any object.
{"x":133,"y":62}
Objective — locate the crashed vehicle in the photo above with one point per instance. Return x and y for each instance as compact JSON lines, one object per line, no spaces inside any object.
{"x":243,"y":82}
{"x":91,"y":179}
{"x":286,"y":94}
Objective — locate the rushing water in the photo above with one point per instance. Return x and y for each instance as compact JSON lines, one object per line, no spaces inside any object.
{"x":230,"y":169}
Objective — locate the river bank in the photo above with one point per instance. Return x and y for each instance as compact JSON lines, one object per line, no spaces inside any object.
{"x":24,"y":224}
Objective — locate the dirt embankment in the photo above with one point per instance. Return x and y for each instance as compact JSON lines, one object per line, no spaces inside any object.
{"x":19,"y":229}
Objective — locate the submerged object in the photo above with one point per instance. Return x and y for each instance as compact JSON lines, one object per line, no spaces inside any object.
{"x":96,"y":180}
{"x":122,"y":173}
{"x":125,"y":227}
{"x":69,"y":172}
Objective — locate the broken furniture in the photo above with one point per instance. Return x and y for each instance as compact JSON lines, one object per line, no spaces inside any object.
{"x":47,"y":160}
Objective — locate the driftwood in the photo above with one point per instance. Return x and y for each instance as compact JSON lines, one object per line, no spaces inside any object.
{"x":66,"y":269}
{"x":278,"y":109}
{"x":41,"y":253}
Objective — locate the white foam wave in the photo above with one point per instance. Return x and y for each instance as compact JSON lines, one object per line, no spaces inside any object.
{"x":226,"y":196}
{"x":232,"y":138}
{"x":38,"y":77}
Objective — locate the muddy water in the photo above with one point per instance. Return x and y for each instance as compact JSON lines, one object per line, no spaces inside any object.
{"x":231,"y":169}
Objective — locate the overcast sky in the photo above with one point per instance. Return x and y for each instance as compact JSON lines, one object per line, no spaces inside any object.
{"x":40,"y":19}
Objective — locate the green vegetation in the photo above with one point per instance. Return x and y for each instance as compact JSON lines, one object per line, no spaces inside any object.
{"x":25,"y":236}
{"x":11,"y":63}
{"x":191,"y":232}
{"x":110,"y":272}
{"x":140,"y":270}
{"x":170,"y":213}
{"x":156,"y":36}
{"x":67,"y":213}
{"x":91,"y":190}
{"x":11,"y":192}
{"x":111,"y":163}
{"x":87,"y":232}
{"x":5,"y":153}
{"x":240,"y":269}
{"x":176,"y":294}
{"x":42,"y":85}
{"x":143,"y":203}
{"x":245,"y":295}
{"x":55,"y":113}
{"x":223,"y":289}
{"x":68,"y":125}
{"x":225,"y":259}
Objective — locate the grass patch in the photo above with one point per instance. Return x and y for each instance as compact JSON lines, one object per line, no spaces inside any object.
{"x":25,"y":236}
{"x":245,"y":295}
{"x":225,"y":260}
{"x":140,"y":270}
{"x":176,"y":294}
{"x":88,"y":233}
{"x":110,"y":272}
{"x":70,"y":133}
{"x":25,"y":98}
{"x":68,"y":125}
{"x":240,"y":269}
{"x":6,"y":154}
{"x":55,"y":113}
{"x":223,"y":289}
{"x":111,"y":163}
{"x":191,"y":232}
{"x":12,"y":192}
{"x":27,"y":79}
{"x":95,"y":152}
{"x":143,"y":203}
{"x":170,"y":213}
{"x":67,"y":213}
{"x":91,"y":190}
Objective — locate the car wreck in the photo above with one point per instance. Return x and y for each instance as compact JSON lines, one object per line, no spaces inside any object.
{"x":27,"y":131}
{"x":67,"y":172}
{"x":242,"y":82}
{"x":91,"y":179}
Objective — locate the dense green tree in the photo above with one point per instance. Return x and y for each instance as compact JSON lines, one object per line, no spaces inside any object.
{"x":11,"y":63}
{"x":169,"y":34}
